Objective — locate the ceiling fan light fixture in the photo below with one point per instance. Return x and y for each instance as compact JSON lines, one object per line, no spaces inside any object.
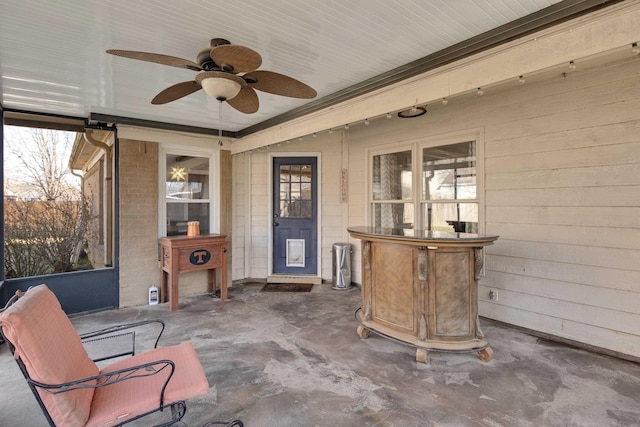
{"x":220,"y":85}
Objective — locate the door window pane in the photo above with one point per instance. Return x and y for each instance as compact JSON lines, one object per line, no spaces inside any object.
{"x":295,"y":191}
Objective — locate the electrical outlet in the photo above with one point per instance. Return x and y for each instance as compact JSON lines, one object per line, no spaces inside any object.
{"x":493,"y":295}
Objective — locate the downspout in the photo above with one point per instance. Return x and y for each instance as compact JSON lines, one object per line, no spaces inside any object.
{"x":108,"y":193}
{"x":91,"y":140}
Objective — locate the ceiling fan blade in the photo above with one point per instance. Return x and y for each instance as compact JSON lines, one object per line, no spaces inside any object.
{"x":246,"y":101}
{"x":176,"y":91}
{"x":157,"y":58}
{"x":279,"y":84}
{"x":241,"y":58}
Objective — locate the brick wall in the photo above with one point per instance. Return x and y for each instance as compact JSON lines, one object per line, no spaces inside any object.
{"x":139,"y":192}
{"x":138,"y":220}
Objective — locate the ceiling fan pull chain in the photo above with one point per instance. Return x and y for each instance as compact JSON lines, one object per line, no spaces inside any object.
{"x":220,"y":143}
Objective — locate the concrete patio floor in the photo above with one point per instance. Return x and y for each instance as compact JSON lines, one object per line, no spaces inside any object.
{"x":294,"y":359}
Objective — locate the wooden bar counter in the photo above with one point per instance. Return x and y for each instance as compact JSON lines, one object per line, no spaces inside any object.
{"x":180,"y":254}
{"x":420,"y":287}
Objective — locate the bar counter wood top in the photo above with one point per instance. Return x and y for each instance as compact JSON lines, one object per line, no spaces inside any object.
{"x":420,"y":287}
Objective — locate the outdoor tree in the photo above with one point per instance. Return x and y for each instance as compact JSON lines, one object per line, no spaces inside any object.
{"x":45,"y":213}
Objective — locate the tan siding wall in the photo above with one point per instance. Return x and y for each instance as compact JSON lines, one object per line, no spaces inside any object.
{"x":256,"y":182}
{"x":240,"y":214}
{"x":258,"y":255}
{"x":332,"y":215}
{"x":138,"y":220}
{"x":226,"y":209}
{"x":562,"y":190}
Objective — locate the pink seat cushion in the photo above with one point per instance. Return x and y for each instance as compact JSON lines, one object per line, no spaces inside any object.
{"x":52,"y":352}
{"x":116,"y":403}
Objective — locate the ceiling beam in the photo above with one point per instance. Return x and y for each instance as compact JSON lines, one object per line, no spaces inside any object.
{"x":106,"y":118}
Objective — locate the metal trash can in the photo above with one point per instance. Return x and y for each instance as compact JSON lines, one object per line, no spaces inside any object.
{"x":341,"y":257}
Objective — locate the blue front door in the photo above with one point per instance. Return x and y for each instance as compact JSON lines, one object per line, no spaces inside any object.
{"x":294,"y":225}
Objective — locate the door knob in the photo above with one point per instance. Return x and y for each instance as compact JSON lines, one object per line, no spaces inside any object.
{"x":275,"y":224}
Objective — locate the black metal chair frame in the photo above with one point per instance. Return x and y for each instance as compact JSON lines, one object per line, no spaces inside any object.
{"x":178,"y":408}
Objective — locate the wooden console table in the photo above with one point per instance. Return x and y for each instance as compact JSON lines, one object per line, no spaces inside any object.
{"x":420,"y":287}
{"x":180,"y":254}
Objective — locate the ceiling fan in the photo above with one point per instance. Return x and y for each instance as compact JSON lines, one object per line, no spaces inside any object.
{"x":227,"y":73}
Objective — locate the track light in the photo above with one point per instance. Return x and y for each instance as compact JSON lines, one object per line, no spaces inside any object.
{"x":479,"y":92}
{"x":521,"y":80}
{"x":445,"y":101}
{"x":346,"y":126}
{"x":389,"y":116}
{"x":366,"y":122}
{"x":315,"y":135}
{"x":572,"y":65}
{"x":635,"y":49}
{"x":330,"y":130}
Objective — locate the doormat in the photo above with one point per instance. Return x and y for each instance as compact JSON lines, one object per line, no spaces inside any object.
{"x":287,"y":287}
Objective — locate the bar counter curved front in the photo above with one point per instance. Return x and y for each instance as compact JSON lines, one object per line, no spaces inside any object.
{"x":420,"y":287}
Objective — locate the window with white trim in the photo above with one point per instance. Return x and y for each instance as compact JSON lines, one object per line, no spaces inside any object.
{"x":392,"y":190}
{"x":446,"y":191}
{"x":187,"y":191}
{"x":449,"y":188}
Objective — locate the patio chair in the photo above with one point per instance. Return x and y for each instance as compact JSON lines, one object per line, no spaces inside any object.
{"x":73,"y":391}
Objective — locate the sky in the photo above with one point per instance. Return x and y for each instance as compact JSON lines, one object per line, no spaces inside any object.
{"x":16,"y":138}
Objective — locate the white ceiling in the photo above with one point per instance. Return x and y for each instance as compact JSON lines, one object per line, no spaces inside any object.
{"x":53,"y":60}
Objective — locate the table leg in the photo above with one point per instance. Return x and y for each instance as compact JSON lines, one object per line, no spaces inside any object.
{"x":211,"y":281}
{"x":421,"y":355}
{"x":486,"y":355}
{"x":164,"y":289}
{"x":223,"y":276}
{"x":362,"y":332}
{"x":173,"y":281}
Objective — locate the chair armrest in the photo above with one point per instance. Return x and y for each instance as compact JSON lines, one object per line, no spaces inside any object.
{"x":119,"y":328}
{"x":109,"y":378}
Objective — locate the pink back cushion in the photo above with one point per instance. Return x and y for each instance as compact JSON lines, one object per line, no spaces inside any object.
{"x":52,"y":352}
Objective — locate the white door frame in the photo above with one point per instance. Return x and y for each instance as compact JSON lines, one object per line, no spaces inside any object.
{"x":317,"y":279}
